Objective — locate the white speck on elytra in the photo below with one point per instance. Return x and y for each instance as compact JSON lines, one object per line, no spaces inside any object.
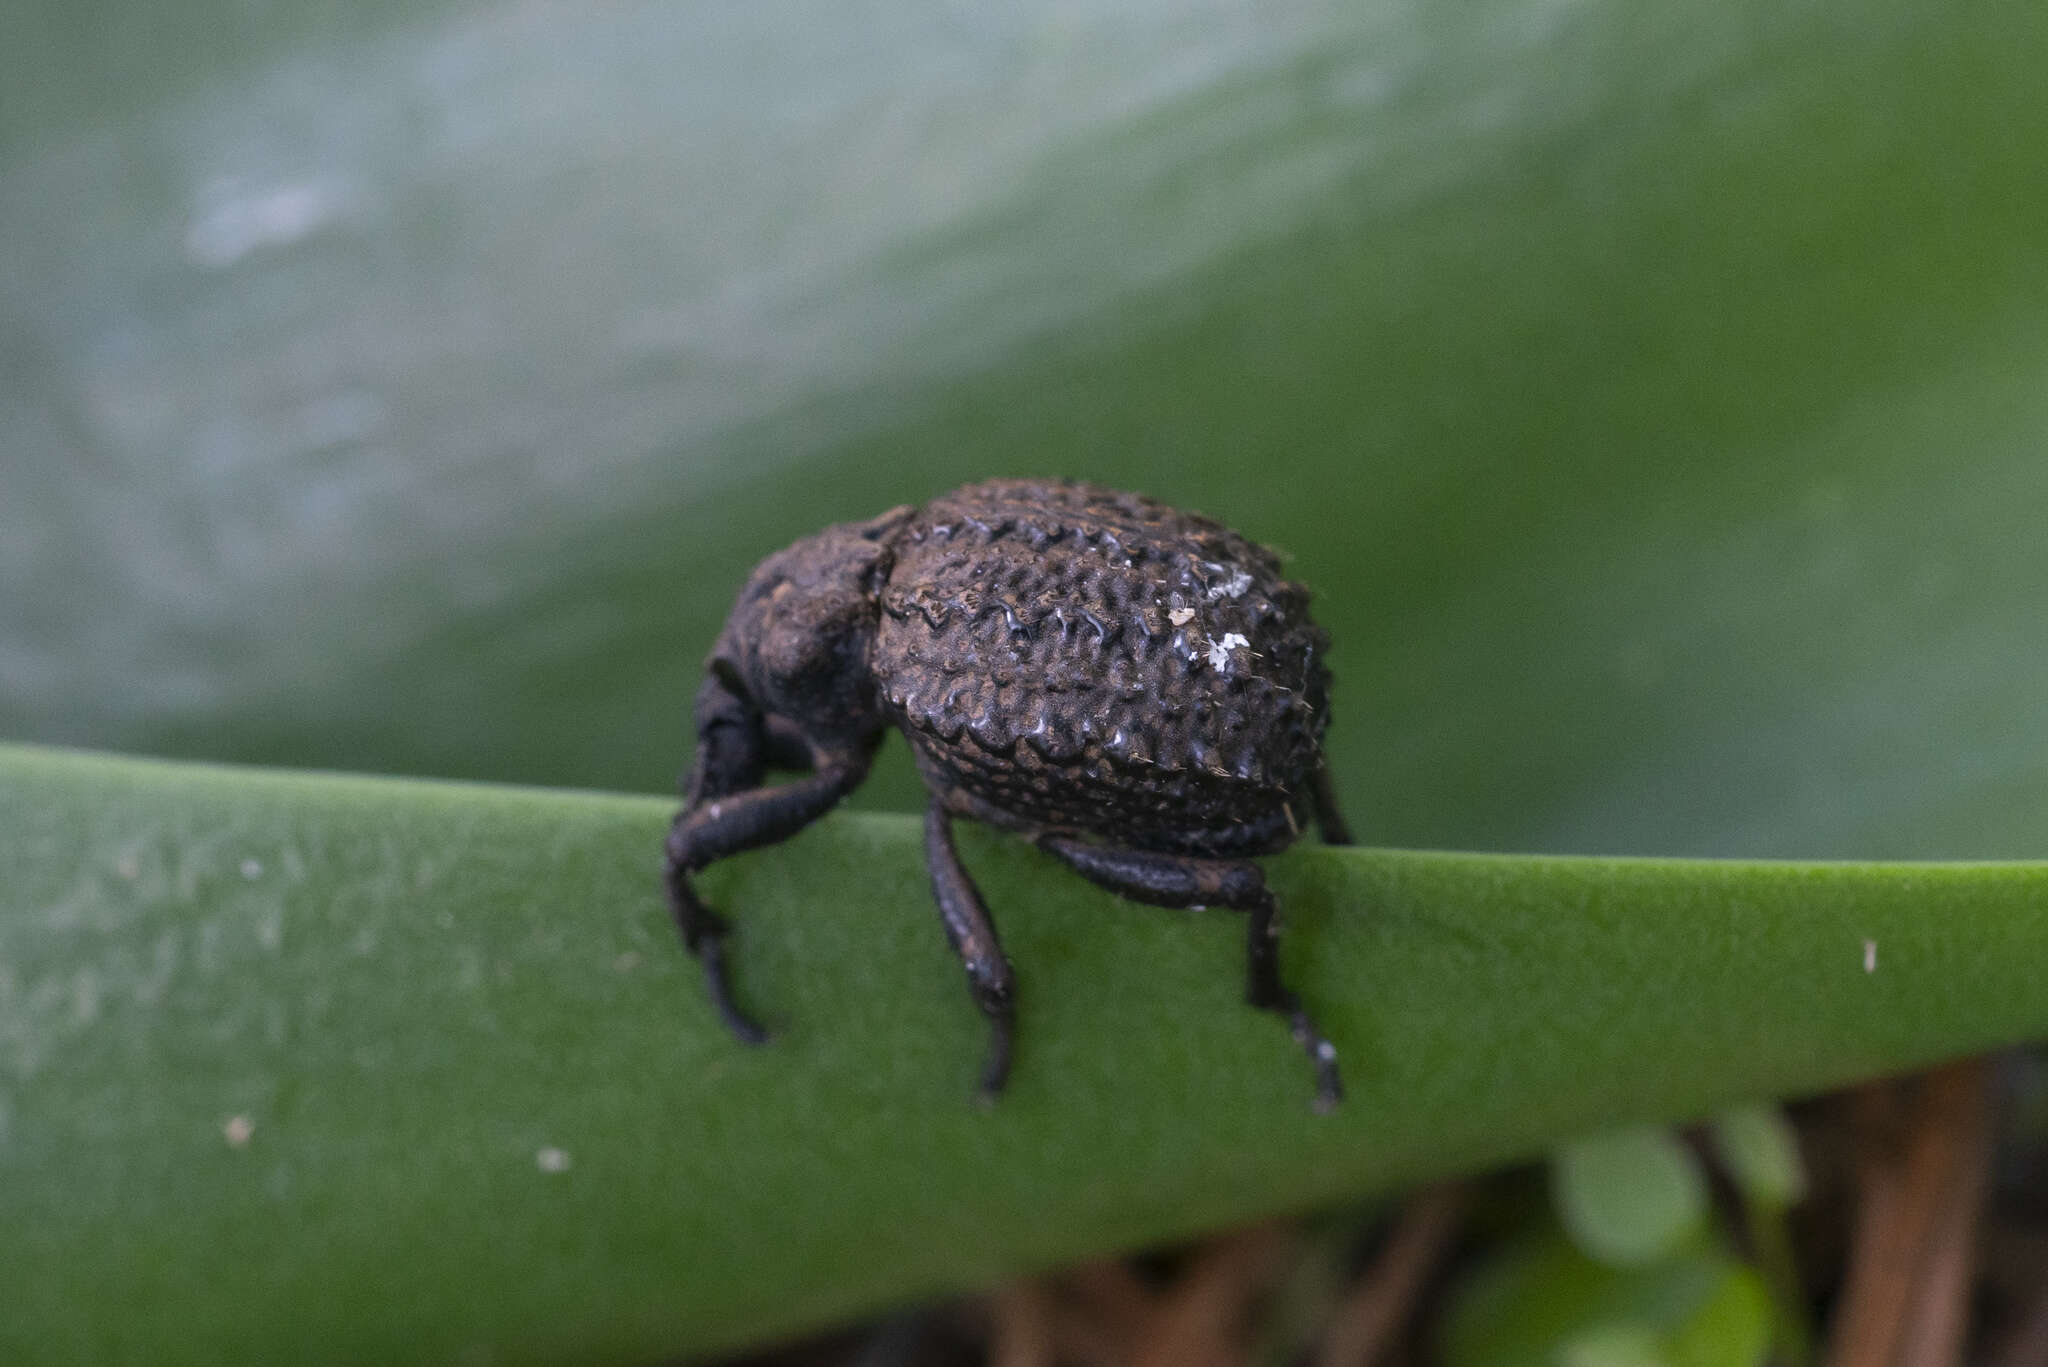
{"x":1870,"y":956}
{"x":1219,"y":651}
{"x":236,"y":1129}
{"x":251,"y":870}
{"x":551,"y":1160}
{"x":1233,"y":587}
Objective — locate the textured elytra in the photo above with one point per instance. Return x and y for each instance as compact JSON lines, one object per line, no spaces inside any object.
{"x":1083,"y":658}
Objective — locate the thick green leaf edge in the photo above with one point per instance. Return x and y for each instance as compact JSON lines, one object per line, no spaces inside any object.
{"x":315,"y":1068}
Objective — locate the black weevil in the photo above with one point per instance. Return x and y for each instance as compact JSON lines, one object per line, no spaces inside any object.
{"x":1135,"y":689}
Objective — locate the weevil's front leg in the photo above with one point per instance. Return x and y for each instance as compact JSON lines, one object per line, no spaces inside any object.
{"x":1172,"y":880}
{"x":727,"y":824}
{"x":973,"y":937}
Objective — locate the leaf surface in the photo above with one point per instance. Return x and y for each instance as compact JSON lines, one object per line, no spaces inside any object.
{"x":298,"y":1067}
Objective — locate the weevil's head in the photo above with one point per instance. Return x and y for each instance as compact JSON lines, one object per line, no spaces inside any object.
{"x":800,"y":637}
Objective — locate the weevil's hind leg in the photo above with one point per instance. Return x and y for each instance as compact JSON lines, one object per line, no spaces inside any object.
{"x":1329,"y":816}
{"x":973,"y":937}
{"x":1171,"y":880}
{"x":725,"y":825}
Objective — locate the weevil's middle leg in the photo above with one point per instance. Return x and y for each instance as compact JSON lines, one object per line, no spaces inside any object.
{"x":973,"y":936}
{"x":1172,"y":880}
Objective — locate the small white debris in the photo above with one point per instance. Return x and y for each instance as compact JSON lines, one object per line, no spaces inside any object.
{"x":1180,"y":617}
{"x":1870,"y":956}
{"x":551,"y":1160}
{"x":237,"y":1130}
{"x":1326,"y":1051}
{"x":251,"y":870}
{"x":1219,"y":651}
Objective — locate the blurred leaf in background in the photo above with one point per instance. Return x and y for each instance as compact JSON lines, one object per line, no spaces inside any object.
{"x":1545,"y":1304}
{"x":1654,"y":398}
{"x":1629,"y":1197}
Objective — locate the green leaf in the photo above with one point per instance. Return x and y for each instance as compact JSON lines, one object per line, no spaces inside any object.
{"x":1613,"y":1345}
{"x":1761,"y":1149}
{"x":1628,"y":1197}
{"x":1540,"y":1302}
{"x":1733,"y":1329}
{"x":309,"y":1068}
{"x":1543,"y":1303}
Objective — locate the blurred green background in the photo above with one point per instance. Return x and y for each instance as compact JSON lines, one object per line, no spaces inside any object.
{"x":1656,"y":397}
